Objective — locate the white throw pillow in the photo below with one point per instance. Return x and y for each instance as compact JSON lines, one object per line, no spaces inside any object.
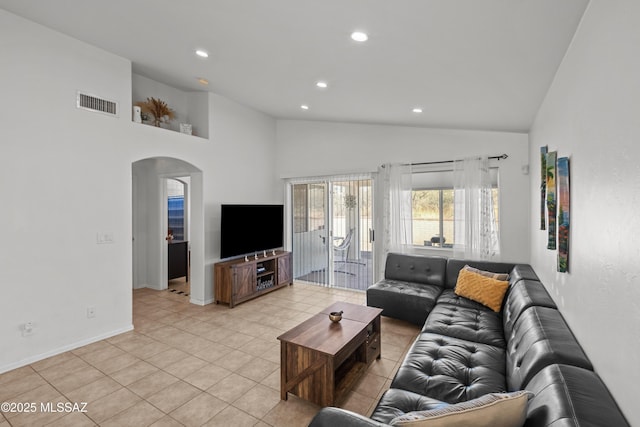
{"x":490,"y":410}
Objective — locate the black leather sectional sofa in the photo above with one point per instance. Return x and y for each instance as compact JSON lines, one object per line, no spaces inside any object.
{"x":466,"y":350}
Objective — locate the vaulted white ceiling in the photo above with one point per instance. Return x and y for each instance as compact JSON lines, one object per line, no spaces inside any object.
{"x":469,"y":64}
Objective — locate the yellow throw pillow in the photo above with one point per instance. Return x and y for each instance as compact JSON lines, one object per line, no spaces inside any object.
{"x":485,"y":290}
{"x":490,"y":410}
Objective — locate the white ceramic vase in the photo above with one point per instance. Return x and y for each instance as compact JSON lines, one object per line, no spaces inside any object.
{"x":137,"y":114}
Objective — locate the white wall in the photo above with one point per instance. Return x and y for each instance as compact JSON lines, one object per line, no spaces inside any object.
{"x":592,"y":115}
{"x":67,"y":175}
{"x":143,"y":206}
{"x":307,"y":148}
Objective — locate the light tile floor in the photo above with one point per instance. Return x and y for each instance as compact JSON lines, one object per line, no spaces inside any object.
{"x":194,"y":366}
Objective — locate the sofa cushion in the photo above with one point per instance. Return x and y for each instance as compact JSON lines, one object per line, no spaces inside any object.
{"x":403,"y":300}
{"x":451,"y":369}
{"x":573,"y":397}
{"x":330,"y":416}
{"x":485,"y":290}
{"x":471,"y":324}
{"x":490,"y":410}
{"x":540,"y":337}
{"x":448,"y":296}
{"x":520,"y":296}
{"x":455,"y":265}
{"x":522,"y":272}
{"x":416,"y":269}
{"x":396,"y":402}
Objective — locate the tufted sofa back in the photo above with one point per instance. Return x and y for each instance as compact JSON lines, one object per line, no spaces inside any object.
{"x":522,"y":272}
{"x":570,"y":396}
{"x":540,"y":337}
{"x":522,"y":295}
{"x":416,"y":269}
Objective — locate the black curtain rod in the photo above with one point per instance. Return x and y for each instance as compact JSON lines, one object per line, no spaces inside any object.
{"x":500,"y":157}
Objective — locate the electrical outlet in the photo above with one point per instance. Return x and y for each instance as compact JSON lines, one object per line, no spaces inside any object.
{"x":104,"y":237}
{"x":27,"y":329}
{"x":91,"y":312}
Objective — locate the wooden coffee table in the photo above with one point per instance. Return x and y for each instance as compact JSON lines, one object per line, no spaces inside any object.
{"x":320,"y":360}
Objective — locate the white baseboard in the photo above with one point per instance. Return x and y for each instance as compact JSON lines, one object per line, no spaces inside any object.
{"x":60,"y":350}
{"x":200,"y":302}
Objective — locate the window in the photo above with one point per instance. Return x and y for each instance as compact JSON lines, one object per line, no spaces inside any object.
{"x":300,"y":208}
{"x":308,"y":207}
{"x":175,"y":205}
{"x":432,"y":217}
{"x":432,"y":208}
{"x":176,"y":211}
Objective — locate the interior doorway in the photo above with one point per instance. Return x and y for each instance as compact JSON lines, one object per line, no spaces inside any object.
{"x":151,"y":223}
{"x":332,"y":231}
{"x":177,"y":206}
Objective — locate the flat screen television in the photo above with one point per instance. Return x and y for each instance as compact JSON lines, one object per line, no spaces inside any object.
{"x":249,"y":229}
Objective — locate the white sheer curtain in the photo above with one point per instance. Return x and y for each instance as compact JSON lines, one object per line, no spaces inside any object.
{"x":395,"y":219}
{"x":475,"y":228}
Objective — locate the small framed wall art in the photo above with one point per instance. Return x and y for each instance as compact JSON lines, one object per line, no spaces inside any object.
{"x":564,"y":217}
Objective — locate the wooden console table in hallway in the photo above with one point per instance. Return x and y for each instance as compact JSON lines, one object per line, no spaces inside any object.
{"x":178,"y":260}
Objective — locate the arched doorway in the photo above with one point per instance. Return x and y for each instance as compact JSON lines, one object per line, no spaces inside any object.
{"x":150,"y":218}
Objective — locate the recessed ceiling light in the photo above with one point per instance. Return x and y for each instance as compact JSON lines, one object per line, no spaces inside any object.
{"x":417,"y":110}
{"x":304,"y":107}
{"x":322,"y":85}
{"x":359,"y":36}
{"x":202,"y":53}
{"x":202,"y":81}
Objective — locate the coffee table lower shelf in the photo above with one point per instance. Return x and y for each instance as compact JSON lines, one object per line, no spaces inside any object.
{"x":346,"y":376}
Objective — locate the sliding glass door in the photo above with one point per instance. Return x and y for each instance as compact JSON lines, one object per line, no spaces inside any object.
{"x":309,"y":212}
{"x":333,"y":231}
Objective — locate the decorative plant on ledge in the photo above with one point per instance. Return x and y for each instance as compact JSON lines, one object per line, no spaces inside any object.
{"x":158,"y":109}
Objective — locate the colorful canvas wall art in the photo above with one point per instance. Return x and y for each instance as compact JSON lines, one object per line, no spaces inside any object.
{"x":564,"y":216}
{"x":543,"y":187}
{"x":551,"y":198}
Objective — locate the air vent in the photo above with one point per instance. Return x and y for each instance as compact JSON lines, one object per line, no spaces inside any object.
{"x":97,"y":104}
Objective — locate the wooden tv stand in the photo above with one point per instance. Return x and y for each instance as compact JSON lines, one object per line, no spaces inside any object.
{"x":237,"y":280}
